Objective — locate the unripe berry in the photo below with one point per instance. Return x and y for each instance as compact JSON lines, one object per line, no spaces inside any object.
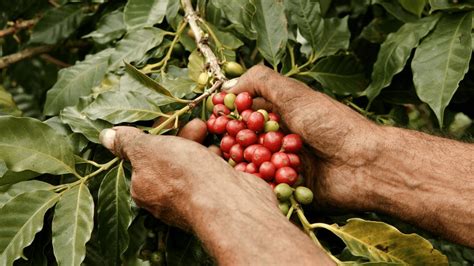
{"x":209,"y":104}
{"x":229,"y":100}
{"x":232,"y":69}
{"x":264,"y":113}
{"x":232,"y":162}
{"x":304,"y":195}
{"x":283,"y":191}
{"x":271,"y":126}
{"x":284,"y":207}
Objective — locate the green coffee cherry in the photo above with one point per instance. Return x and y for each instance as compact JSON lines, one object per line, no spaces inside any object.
{"x":209,"y":103}
{"x":303,"y":195}
{"x":157,"y":258}
{"x":203,"y":79}
{"x":232,"y":162}
{"x":283,"y":192}
{"x":229,"y":100}
{"x":271,"y":126}
{"x":233,"y":69}
{"x":284,"y":207}
{"x":264,"y":113}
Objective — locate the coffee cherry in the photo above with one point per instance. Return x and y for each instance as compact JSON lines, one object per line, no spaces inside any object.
{"x":157,"y":258}
{"x":246,"y":137}
{"x":260,"y":155}
{"x":256,"y":122}
{"x":267,"y":170}
{"x":220,"y":109}
{"x":261,"y":138}
{"x":251,"y":168}
{"x":284,"y":207}
{"x":286,"y":175}
{"x":209,"y":104}
{"x":245,"y":114}
{"x":231,"y":162}
{"x":303,"y":195}
{"x":234,"y":127}
{"x":203,"y":79}
{"x":264,"y":113}
{"x":236,"y":153}
{"x":227,"y":142}
{"x":218,"y":98}
{"x":271,"y":126}
{"x":248,"y":152}
{"x":243,"y":101}
{"x":274,"y":117}
{"x":226,"y":155}
{"x":280,"y":159}
{"x":292,"y":143}
{"x":233,"y":69}
{"x":283,"y":191}
{"x":229,"y":100}
{"x":220,"y":124}
{"x":210,"y":125}
{"x":241,"y":167}
{"x":273,"y":140}
{"x":295,"y":161}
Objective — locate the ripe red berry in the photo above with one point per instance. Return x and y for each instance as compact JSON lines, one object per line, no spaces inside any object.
{"x":243,"y":101}
{"x":280,"y":159}
{"x":251,"y":168}
{"x":248,"y":152}
{"x":226,"y":155}
{"x":220,"y":125}
{"x":267,"y":171}
{"x":295,"y":160}
{"x":218,"y":98}
{"x":286,"y":175}
{"x":241,"y":166}
{"x":292,"y":143}
{"x":261,"y":138}
{"x":234,"y":126}
{"x":220,"y":109}
{"x":245,"y":114}
{"x":227,"y":142}
{"x":256,"y":121}
{"x":260,"y":155}
{"x":273,"y":141}
{"x":210,"y":125}
{"x":274,"y":117}
{"x":236,"y":153}
{"x":246,"y":137}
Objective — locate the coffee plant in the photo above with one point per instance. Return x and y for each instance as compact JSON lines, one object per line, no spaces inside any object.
{"x":72,"y":68}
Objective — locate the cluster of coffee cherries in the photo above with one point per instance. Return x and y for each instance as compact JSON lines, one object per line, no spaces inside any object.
{"x":252,"y":141}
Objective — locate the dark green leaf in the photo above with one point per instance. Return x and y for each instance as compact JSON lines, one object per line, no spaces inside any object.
{"x":28,"y":144}
{"x":395,"y":52}
{"x":396,"y":10}
{"x":143,"y":13}
{"x":413,"y":6}
{"x":271,"y":27}
{"x":77,"y":81}
{"x":451,"y":5}
{"x":146,"y":80}
{"x":178,"y":82}
{"x":77,"y":141}
{"x":228,"y":40}
{"x":240,"y":14}
{"x":114,"y":214}
{"x":172,"y":11}
{"x":3,"y":168}
{"x":21,"y":218}
{"x":138,"y":233}
{"x":11,"y":177}
{"x":57,"y":24}
{"x":109,"y":28}
{"x":441,"y":61}
{"x":8,"y":192}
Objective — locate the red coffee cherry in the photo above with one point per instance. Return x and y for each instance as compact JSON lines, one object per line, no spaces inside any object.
{"x":295,"y":160}
{"x":234,"y":126}
{"x":241,"y":166}
{"x":227,"y":142}
{"x":256,"y":122}
{"x":273,"y":140}
{"x":261,"y":138}
{"x":220,"y":109}
{"x":218,"y":98}
{"x":210,"y":125}
{"x":245,"y":114}
{"x":274,"y":117}
{"x":251,"y":168}
{"x":220,"y":124}
{"x":243,"y":101}
{"x":226,"y":155}
{"x":246,"y":137}
{"x":286,"y":175}
{"x":292,"y":143}
{"x":248,"y":152}
{"x":280,"y":159}
{"x":260,"y":155}
{"x":267,"y":171}
{"x":237,"y":153}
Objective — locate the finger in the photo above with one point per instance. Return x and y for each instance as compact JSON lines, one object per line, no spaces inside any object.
{"x":195,"y":130}
{"x":262,"y":103}
{"x":119,"y":139}
{"x":251,"y":81}
{"x":215,"y":149}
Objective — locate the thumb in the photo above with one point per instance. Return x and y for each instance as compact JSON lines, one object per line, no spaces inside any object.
{"x":119,"y":140}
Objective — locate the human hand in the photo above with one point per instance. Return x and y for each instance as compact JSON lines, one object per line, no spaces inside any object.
{"x":344,"y":142}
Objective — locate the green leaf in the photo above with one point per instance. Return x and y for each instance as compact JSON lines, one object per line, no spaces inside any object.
{"x":124,"y":106}
{"x":146,"y":80}
{"x":271,"y":26}
{"x":57,"y":24}
{"x":413,"y":6}
{"x":342,"y":74}
{"x":441,"y":61}
{"x":134,"y":45}
{"x":178,"y":82}
{"x":143,"y":13}
{"x":3,"y":168}
{"x":184,"y":249}
{"x":196,"y":65}
{"x":138,"y":234}
{"x":77,"y":141}
{"x":449,"y":5}
{"x":80,"y":123}
{"x":395,"y":51}
{"x":380,"y":242}
{"x":109,"y":28}
{"x":8,"y":192}
{"x":10,"y":177}
{"x":76,"y":81}
{"x":7,"y":104}
{"x":28,"y":144}
{"x":172,"y":12}
{"x":240,"y":14}
{"x":72,"y":225}
{"x":228,"y":40}
{"x":114,"y":214}
{"x":396,"y":10}
{"x":21,"y":218}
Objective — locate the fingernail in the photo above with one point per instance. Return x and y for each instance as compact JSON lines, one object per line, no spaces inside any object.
{"x":107,"y":138}
{"x":230,"y":84}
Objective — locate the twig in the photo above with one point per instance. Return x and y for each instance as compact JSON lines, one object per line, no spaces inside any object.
{"x":23,"y":54}
{"x":52,"y":60}
{"x":19,"y":25}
